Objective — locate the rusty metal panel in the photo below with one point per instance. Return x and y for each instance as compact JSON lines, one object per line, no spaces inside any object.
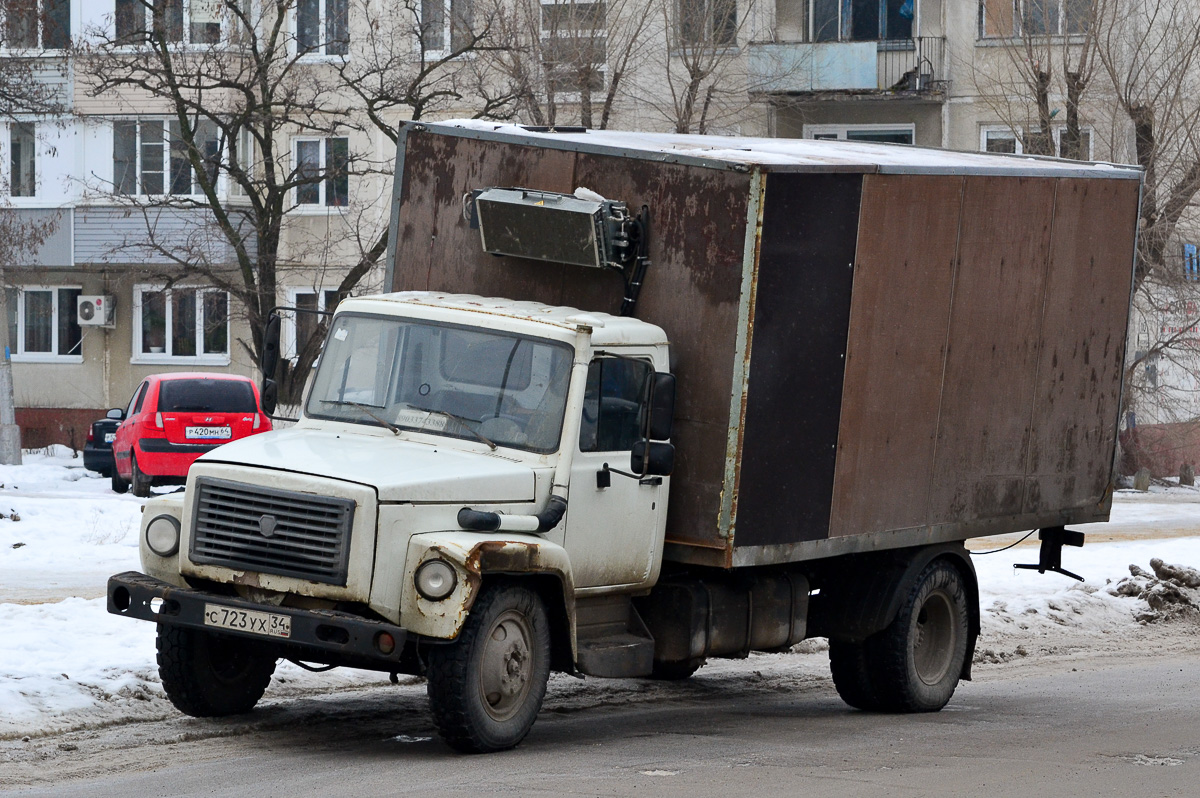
{"x":983,"y":434}
{"x":1078,"y":390}
{"x":899,"y":315}
{"x":692,"y":289}
{"x":802,"y":311}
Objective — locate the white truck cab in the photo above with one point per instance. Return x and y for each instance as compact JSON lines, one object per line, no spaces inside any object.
{"x":445,"y":441}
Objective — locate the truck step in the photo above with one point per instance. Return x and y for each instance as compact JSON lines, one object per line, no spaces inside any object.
{"x":611,"y":638}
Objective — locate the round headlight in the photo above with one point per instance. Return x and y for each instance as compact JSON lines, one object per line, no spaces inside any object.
{"x":162,"y":535}
{"x":435,"y":580}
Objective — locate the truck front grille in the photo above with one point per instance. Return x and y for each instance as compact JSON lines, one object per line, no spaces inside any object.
{"x":251,"y":528}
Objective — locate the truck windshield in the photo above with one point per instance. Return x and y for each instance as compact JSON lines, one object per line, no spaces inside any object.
{"x":460,"y":382}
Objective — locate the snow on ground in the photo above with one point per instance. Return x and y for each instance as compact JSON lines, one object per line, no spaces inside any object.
{"x":65,"y":663}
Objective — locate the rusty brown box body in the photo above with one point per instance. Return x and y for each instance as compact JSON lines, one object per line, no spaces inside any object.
{"x":876,"y":346}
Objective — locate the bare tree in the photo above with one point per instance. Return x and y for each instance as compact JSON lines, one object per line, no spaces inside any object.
{"x":237,"y":80}
{"x":1047,"y":59}
{"x":561,"y":57}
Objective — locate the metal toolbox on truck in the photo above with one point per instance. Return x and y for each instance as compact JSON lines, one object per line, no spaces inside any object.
{"x":876,"y":346}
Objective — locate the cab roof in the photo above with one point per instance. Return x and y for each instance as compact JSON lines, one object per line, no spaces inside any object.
{"x":556,"y":321}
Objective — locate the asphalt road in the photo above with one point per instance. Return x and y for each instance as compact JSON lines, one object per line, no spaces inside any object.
{"x":1119,"y":724}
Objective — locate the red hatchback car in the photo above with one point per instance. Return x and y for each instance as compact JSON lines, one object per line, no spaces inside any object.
{"x":174,"y":418}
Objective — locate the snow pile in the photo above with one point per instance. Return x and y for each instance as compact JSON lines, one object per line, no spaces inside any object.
{"x":1171,"y":592}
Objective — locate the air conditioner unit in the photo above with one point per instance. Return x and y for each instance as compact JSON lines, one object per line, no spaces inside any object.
{"x":95,"y":311}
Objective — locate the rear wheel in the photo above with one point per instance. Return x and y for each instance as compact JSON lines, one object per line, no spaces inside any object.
{"x":207,"y":675}
{"x":140,"y":481}
{"x":916,"y":661}
{"x":486,"y":688}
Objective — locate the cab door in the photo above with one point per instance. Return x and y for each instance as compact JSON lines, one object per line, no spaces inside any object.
{"x":614,"y":523}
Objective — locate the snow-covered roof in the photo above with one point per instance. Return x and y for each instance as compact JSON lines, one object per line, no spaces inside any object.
{"x":607,"y":330}
{"x":781,"y":154}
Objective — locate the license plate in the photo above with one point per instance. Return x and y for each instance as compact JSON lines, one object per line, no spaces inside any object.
{"x":109,"y":437}
{"x":208,"y":433}
{"x":259,"y":623}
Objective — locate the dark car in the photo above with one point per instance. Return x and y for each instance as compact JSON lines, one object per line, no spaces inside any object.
{"x":172,"y":419}
{"x":97,"y":452}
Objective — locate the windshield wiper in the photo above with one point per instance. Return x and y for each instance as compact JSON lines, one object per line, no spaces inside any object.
{"x":392,"y":427}
{"x":462,"y":422}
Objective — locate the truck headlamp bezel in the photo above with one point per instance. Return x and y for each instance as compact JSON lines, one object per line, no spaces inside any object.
{"x":435,"y":579}
{"x":162,"y":535}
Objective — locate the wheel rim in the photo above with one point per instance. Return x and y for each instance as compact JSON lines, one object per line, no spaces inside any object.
{"x":506,"y":666}
{"x":934,"y":636}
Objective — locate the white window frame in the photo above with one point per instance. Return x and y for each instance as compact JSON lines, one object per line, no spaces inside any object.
{"x":840,"y":131}
{"x":17,"y":347}
{"x":6,"y":167}
{"x":321,"y":53}
{"x":321,"y":206}
{"x":447,"y":15}
{"x":41,"y":33}
{"x":596,"y":33}
{"x":1018,"y":135}
{"x":166,"y":358}
{"x":290,"y":330}
{"x":982,"y":35}
{"x":223,"y":37}
{"x":138,"y":191}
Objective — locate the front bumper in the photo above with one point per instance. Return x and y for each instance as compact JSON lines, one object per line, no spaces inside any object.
{"x":316,"y":635}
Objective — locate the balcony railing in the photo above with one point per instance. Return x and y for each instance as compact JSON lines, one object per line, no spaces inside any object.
{"x":902,"y":67}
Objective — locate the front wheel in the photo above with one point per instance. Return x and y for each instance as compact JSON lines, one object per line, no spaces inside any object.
{"x":207,"y":675}
{"x":118,"y":485}
{"x":486,"y":688}
{"x":918,"y":658}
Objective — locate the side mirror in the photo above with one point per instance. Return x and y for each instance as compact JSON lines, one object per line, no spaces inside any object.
{"x":270,"y":396}
{"x":270,"y":351}
{"x":662,"y":406}
{"x":652,"y":459}
{"x":116,"y":414}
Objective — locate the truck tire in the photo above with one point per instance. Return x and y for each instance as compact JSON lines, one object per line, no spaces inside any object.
{"x":916,"y":661}
{"x":140,"y":481}
{"x":209,"y":676}
{"x":486,"y":688}
{"x":850,"y":665}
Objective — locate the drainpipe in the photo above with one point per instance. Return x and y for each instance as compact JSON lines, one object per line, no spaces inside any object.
{"x":10,"y":433}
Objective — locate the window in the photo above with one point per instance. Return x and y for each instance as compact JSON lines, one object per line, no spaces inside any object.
{"x":37,"y":23}
{"x":322,"y":27}
{"x":150,"y":157}
{"x":614,"y":404}
{"x":322,"y":172}
{"x":304,"y":325}
{"x":574,"y":45}
{"x":881,"y":134}
{"x":42,"y":323}
{"x":1004,"y":139}
{"x":1191,"y":263}
{"x":708,"y":22}
{"x":246,"y":149}
{"x":178,"y":21}
{"x":857,"y":20}
{"x":1013,"y":18}
{"x":180,"y":322}
{"x":22,"y":174}
{"x":446,"y":24}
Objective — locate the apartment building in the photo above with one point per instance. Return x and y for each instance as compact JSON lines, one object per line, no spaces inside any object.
{"x":105,"y":298}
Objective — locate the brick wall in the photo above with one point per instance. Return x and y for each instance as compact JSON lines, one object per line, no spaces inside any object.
{"x":42,"y":426}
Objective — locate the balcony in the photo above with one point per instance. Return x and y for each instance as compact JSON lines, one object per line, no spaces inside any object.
{"x":912,"y":68}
